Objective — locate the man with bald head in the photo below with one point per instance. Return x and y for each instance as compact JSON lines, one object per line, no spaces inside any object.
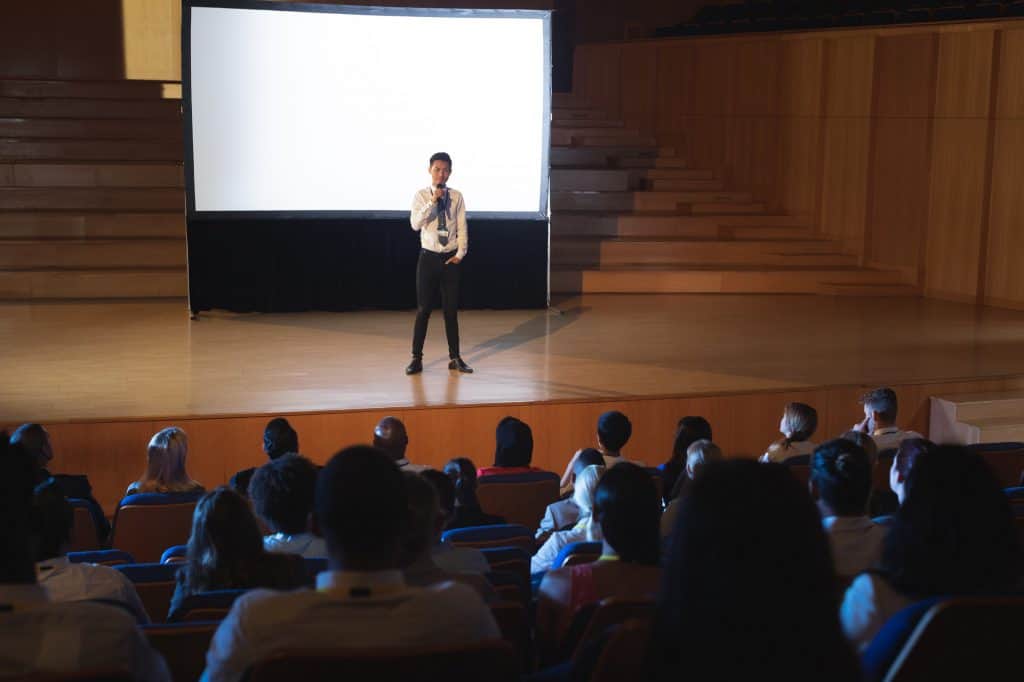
{"x":389,"y":435}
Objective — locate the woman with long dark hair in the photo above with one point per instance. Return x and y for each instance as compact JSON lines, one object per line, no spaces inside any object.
{"x":225,"y":551}
{"x":689,"y":430}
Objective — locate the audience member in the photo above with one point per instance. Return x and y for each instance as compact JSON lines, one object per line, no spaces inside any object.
{"x":880,"y":410}
{"x":279,"y":438}
{"x":613,"y":432}
{"x":700,"y":453}
{"x":627,"y":508}
{"x":954,"y":534}
{"x":363,"y":601}
{"x":585,"y":530}
{"x":689,"y":430}
{"x":467,"y":512}
{"x":282,"y":497}
{"x":906,"y":457}
{"x":882,"y":502}
{"x":390,"y":437}
{"x":45,"y":639}
{"x":565,"y":513}
{"x":840,"y":481}
{"x":798,"y":424}
{"x":513,"y":449}
{"x":165,"y":465}
{"x":35,"y":440}
{"x":423,"y":532}
{"x":63,"y":581}
{"x":748,"y":588}
{"x":225,"y":551}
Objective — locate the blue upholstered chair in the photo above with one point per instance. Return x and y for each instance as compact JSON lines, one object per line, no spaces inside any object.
{"x":147,"y":523}
{"x":518,"y":498}
{"x":154,"y":583}
{"x":212,"y":605}
{"x":490,"y":537}
{"x":577,"y":553}
{"x":107,"y":557}
{"x":174,"y":554}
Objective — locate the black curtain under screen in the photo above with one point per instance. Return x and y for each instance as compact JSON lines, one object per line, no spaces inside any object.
{"x":292,"y":265}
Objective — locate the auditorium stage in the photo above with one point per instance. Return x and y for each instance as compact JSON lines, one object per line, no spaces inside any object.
{"x":105,"y":376}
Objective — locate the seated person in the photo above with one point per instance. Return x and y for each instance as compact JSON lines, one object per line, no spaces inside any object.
{"x":698,"y":455}
{"x":840,"y":482}
{"x":689,"y":430}
{"x":35,"y":440}
{"x":907,"y":455}
{"x":225,"y":551}
{"x":613,"y":432}
{"x":585,"y":530}
{"x":390,"y":437}
{"x":445,"y":555}
{"x":881,"y":502}
{"x":362,"y":602}
{"x":423,"y":532}
{"x":165,"y":465}
{"x":62,"y":580}
{"x":880,"y":410}
{"x":282,"y":497}
{"x":467,"y":512}
{"x":564,"y":514}
{"x":627,"y":508}
{"x":279,"y":438}
{"x":953,"y":535}
{"x":798,"y":424}
{"x":513,"y":449}
{"x":42,"y":639}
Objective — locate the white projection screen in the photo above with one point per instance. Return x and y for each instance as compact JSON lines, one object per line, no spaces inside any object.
{"x":330,"y":110}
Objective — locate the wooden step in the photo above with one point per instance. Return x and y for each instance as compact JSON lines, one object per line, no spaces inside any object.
{"x":611,"y":140}
{"x":586,"y":123}
{"x":862,"y":290}
{"x":567,"y":100}
{"x":986,"y":405}
{"x":72,"y":225}
{"x":19,"y":285}
{"x":91,"y":253}
{"x":684,"y":252}
{"x":96,"y":128}
{"x":577,"y":114}
{"x":679,"y":174}
{"x":654,"y":201}
{"x":608,"y":180}
{"x":957,"y":418}
{"x":727,"y":207}
{"x":762,"y":280}
{"x":122,"y":89}
{"x":88,"y":150}
{"x":91,"y":175}
{"x":601,"y":224}
{"x":685,"y":185}
{"x":599,"y":157}
{"x":157,"y":109}
{"x":563,"y":135}
{"x":998,"y":429}
{"x":94,"y":198}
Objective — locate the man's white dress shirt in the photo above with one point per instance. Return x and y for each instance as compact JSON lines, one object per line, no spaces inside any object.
{"x":305,"y":545}
{"x":425,"y":220}
{"x":891,"y":436}
{"x":867,"y":604}
{"x":348,"y":610}
{"x":64,"y":581}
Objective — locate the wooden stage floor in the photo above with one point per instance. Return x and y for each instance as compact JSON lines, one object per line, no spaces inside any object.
{"x":68,"y":361}
{"x":105,"y":377}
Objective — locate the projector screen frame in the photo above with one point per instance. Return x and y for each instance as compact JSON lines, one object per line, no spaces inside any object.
{"x":542,"y":213}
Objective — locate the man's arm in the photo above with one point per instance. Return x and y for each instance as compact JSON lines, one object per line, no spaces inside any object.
{"x":424,"y":209}
{"x":462,"y":229}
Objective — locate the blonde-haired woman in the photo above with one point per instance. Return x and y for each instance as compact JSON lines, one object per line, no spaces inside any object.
{"x":165,"y":465}
{"x":799,"y":421}
{"x":585,"y":530}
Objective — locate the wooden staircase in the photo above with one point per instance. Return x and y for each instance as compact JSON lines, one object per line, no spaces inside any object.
{"x":967,"y":419}
{"x":631,"y":217}
{"x":91,"y":191}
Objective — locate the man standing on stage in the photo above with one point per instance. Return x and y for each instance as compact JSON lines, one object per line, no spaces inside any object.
{"x":439,"y":215}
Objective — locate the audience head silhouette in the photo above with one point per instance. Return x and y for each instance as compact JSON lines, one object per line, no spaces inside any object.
{"x":701,"y":453}
{"x":34,"y":440}
{"x":613,"y":431}
{"x":748,"y":589}
{"x":841,"y":478}
{"x":390,"y":437}
{"x":362,"y":508}
{"x":689,"y":430}
{"x":587,"y":457}
{"x":17,"y":559}
{"x":880,"y":408}
{"x":514,"y":443}
{"x":225,"y":542}
{"x":279,"y":438}
{"x":165,"y":464}
{"x":462,"y":473}
{"x":445,"y":489}
{"x":903,"y":462}
{"x":627,"y":507}
{"x":282,"y":493}
{"x":799,"y":422}
{"x":866,"y":442}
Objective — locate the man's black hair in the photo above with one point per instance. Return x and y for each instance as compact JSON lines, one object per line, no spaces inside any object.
{"x":440,"y":156}
{"x":282,"y":493}
{"x":614,"y":430}
{"x":279,"y":438}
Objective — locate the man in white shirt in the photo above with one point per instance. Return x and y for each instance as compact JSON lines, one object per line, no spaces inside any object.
{"x":439,"y":215}
{"x":362,"y":601}
{"x":282,"y":496}
{"x":390,"y":436}
{"x":880,"y":409}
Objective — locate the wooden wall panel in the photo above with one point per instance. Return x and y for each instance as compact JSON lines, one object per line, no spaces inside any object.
{"x":62,"y":39}
{"x":674,"y":86}
{"x":800,"y":153}
{"x":845,"y":180}
{"x":964,"y":74}
{"x":850,"y":75}
{"x":1004,"y":276}
{"x":1010,"y":92}
{"x":904,"y":69}
{"x":755,"y":78}
{"x":800,"y":81}
{"x":639,"y":83}
{"x":956,"y":207}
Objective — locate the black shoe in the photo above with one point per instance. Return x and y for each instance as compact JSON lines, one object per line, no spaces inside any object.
{"x":415,"y":367}
{"x":458,"y":364}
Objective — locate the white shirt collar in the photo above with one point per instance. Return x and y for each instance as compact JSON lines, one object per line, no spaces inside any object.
{"x":842,"y":523}
{"x":361,"y":584}
{"x":50,"y":567}
{"x":886,"y":431}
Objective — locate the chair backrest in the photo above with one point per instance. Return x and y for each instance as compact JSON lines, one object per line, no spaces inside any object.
{"x":183,"y":646}
{"x":576,"y":553}
{"x":212,"y":605}
{"x":659,"y":481}
{"x":510,"y":586}
{"x":963,"y":638}
{"x":1005,"y":459}
{"x":84,"y":534}
{"x":623,"y":653}
{"x":146,"y":530}
{"x":518,"y":498}
{"x":886,"y":645}
{"x":492,"y":537}
{"x":106,"y":557}
{"x":513,"y":620}
{"x":154,"y":584}
{"x":174,"y":554}
{"x":514,"y":560}
{"x":495,"y":661}
{"x":609,"y":612}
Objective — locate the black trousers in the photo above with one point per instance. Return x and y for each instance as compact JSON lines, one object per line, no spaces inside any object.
{"x":431,"y":274}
